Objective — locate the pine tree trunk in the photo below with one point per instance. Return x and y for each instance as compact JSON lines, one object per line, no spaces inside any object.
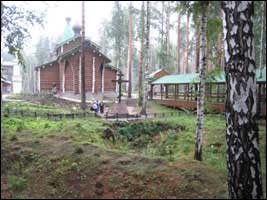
{"x":263,"y":18}
{"x":208,"y":56}
{"x":220,"y":46}
{"x":168,"y":34}
{"x":130,"y":53}
{"x":83,"y":95}
{"x":201,"y":89}
{"x":242,"y":135}
{"x":197,"y":51}
{"x":140,"y":81}
{"x":143,"y":111}
{"x":178,"y":44}
{"x":219,"y":50}
{"x":187,"y":43}
{"x":162,"y":36}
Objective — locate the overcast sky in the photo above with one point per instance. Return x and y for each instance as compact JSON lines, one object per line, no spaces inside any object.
{"x":56,"y":12}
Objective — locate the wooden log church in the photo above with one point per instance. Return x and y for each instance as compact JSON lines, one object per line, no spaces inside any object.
{"x":64,"y":71}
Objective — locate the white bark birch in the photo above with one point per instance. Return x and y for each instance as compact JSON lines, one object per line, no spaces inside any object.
{"x":201,"y":86}
{"x":242,"y":138}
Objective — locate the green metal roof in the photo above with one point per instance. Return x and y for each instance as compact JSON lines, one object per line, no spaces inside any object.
{"x":68,"y":33}
{"x":177,"y":78}
{"x":194,"y":78}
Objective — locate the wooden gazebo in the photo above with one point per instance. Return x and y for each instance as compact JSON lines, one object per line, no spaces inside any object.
{"x":180,"y":90}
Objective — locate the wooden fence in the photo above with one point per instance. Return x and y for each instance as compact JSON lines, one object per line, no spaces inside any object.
{"x":138,"y":116}
{"x":59,"y":116}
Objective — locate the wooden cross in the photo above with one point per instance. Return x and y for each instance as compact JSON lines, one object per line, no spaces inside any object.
{"x":120,"y":81}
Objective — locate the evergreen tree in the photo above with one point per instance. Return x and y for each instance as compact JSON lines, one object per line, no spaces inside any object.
{"x":140,"y":81}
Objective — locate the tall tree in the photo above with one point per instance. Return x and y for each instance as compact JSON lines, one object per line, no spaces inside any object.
{"x":15,"y":25}
{"x":259,"y":7}
{"x":168,"y":10}
{"x":83,"y":94}
{"x":42,"y":51}
{"x":178,"y":42}
{"x":130,"y":52}
{"x":201,"y":89}
{"x":197,"y":50}
{"x":147,"y":58}
{"x":263,"y":23}
{"x":187,"y":42}
{"x":242,"y":135}
{"x":140,"y":81}
{"x":118,"y":33}
{"x":105,"y":37}
{"x":162,"y":54}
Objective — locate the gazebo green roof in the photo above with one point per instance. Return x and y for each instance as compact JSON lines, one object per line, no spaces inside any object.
{"x":194,"y":78}
{"x":177,"y":78}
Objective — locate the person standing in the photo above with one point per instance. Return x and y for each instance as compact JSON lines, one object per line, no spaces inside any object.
{"x":101,"y":107}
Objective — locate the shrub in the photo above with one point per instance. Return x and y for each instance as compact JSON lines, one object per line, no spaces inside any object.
{"x":75,"y":167}
{"x":79,"y":150}
{"x":17,"y":183}
{"x":13,"y":138}
{"x":47,"y":125}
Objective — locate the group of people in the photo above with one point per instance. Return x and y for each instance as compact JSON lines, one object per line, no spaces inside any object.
{"x":98,"y":106}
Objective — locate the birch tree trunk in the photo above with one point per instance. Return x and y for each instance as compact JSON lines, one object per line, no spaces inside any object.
{"x":201,"y":89}
{"x":187,"y":43}
{"x":178,"y":44}
{"x":263,"y":21}
{"x":143,"y":111}
{"x":242,"y":135}
{"x":140,"y":81}
{"x":129,"y":62}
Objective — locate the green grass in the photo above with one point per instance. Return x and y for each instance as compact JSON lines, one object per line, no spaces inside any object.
{"x":39,"y":108}
{"x":59,"y":151}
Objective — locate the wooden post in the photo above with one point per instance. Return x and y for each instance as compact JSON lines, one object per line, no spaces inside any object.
{"x":161,"y":91}
{"x":184,"y":90}
{"x":188,"y":91}
{"x":196,"y":91}
{"x":191,"y":93}
{"x":218,"y":91}
{"x":175,"y":91}
{"x":259,"y":100}
{"x":211,"y":92}
{"x":166,"y":91}
{"x":178,"y":91}
{"x":151,"y":91}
